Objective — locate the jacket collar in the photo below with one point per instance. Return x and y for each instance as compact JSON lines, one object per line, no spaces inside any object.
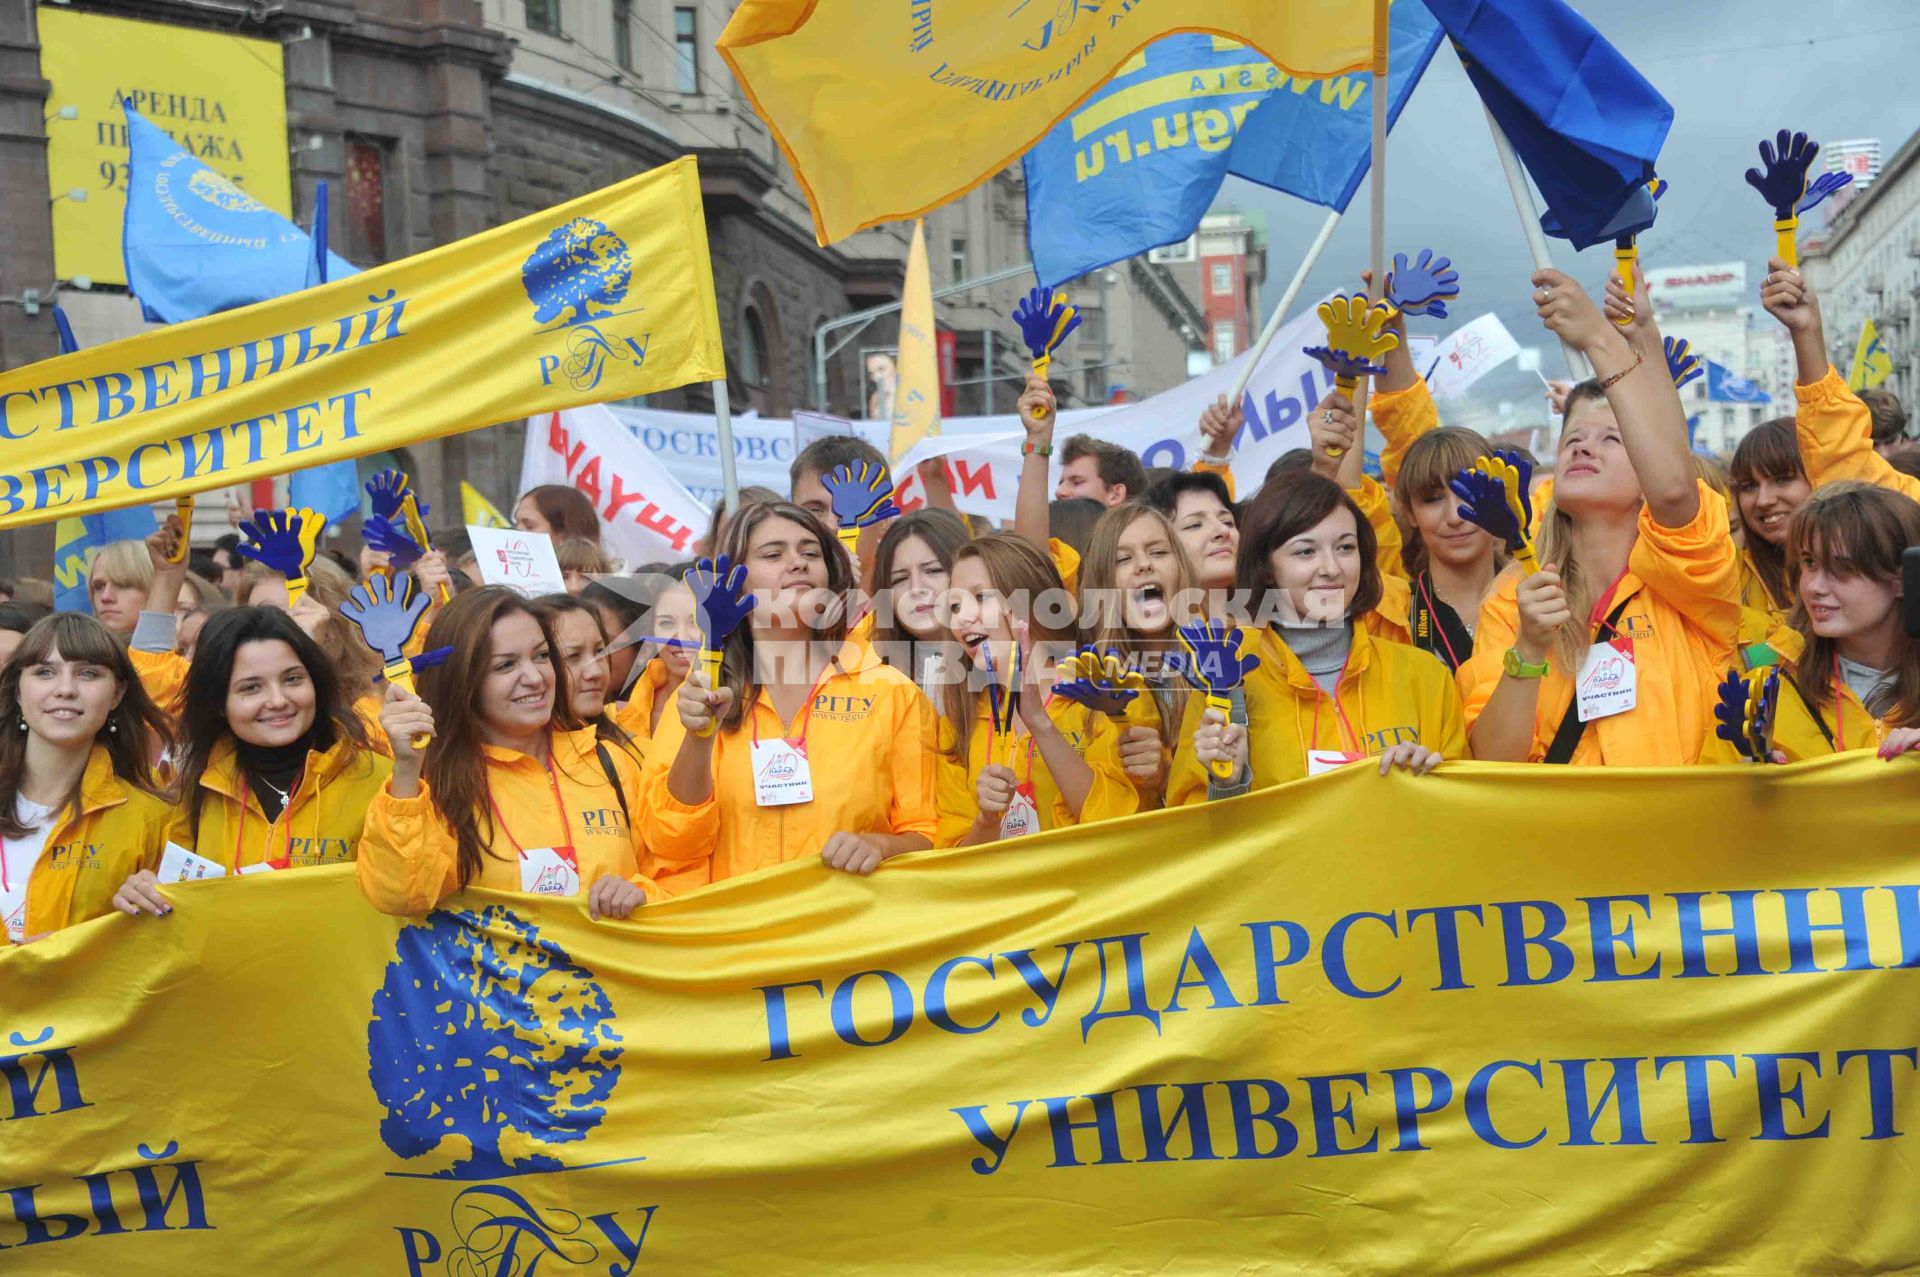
{"x":1278,"y":661}
{"x":99,"y":787}
{"x":222,"y":775}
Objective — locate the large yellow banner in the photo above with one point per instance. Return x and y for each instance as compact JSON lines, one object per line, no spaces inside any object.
{"x":602,"y":298}
{"x":221,"y":96}
{"x":1493,"y":1020}
{"x":888,"y":110}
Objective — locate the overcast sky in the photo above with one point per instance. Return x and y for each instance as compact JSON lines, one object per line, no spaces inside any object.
{"x":1734,"y":70}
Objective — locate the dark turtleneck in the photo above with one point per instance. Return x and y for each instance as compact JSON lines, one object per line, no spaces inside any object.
{"x":274,"y":770}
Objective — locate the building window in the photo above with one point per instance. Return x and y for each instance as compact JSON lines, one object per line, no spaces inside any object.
{"x":753,"y":350}
{"x":544,"y":16}
{"x":957,"y":257}
{"x":1184,"y":251}
{"x":623,"y":33}
{"x":366,"y":238}
{"x":686,"y":50}
{"x":1225,"y":340}
{"x":1222,"y":279}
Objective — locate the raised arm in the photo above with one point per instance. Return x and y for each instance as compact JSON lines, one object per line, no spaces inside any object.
{"x":1030,"y":518}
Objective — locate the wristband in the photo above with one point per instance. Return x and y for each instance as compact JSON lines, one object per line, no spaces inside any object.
{"x":1516,"y":667}
{"x":1030,"y":449}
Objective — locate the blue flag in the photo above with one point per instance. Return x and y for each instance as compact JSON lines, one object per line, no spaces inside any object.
{"x":1724,"y":387}
{"x":1586,"y":125}
{"x":75,"y":540}
{"x":1140,"y":163}
{"x":196,"y":244}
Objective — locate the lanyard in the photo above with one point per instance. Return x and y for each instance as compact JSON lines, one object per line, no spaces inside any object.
{"x":1598,"y":619}
{"x":1431,"y":618}
{"x":1339,"y":709}
{"x":286,"y":814}
{"x":806,"y":713}
{"x":559,"y":805}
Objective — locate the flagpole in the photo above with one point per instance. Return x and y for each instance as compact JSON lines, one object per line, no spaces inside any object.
{"x":1352,"y":469}
{"x":723,"y":418}
{"x":1278,"y":319}
{"x":1530,"y":227}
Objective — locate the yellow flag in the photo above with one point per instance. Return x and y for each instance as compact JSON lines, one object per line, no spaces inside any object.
{"x":1582,"y":1020}
{"x":605,"y":297}
{"x":888,"y":109}
{"x":916,"y":404}
{"x":478,"y":512}
{"x":1872,"y":362}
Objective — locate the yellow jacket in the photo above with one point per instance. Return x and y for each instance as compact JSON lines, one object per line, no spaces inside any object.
{"x":320,"y":825}
{"x":1391,"y":619}
{"x":1402,"y":416}
{"x":115,"y":831}
{"x":636,"y":716}
{"x":865,"y":731}
{"x":1761,"y":619}
{"x":409,"y":859}
{"x":1801,"y":732}
{"x":1835,"y":433}
{"x":1389,"y":694}
{"x":1683,"y":613}
{"x":1093,"y":736}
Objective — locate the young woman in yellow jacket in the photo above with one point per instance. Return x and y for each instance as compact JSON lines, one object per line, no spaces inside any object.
{"x":79,"y":808}
{"x":1637,"y":597}
{"x":1769,"y":487}
{"x":1856,"y":684}
{"x":511,"y":792}
{"x":272,"y":768}
{"x":1327,"y":691}
{"x":808,"y":746}
{"x":1059,"y":762}
{"x":676,"y":635}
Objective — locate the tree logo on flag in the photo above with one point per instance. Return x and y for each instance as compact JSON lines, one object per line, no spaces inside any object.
{"x":490,"y":1036}
{"x":582,"y":267}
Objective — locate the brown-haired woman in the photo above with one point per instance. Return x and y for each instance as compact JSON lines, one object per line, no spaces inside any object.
{"x":912,"y":570}
{"x":581,"y":645}
{"x":1450,"y":563}
{"x":1856,"y":684}
{"x":1637,"y":598}
{"x":511,"y":792}
{"x":1769,"y":487}
{"x":1327,"y":691}
{"x":809,"y":746}
{"x":79,"y":807}
{"x":1062,"y":766}
{"x":1137,"y":583}
{"x":560,"y":511}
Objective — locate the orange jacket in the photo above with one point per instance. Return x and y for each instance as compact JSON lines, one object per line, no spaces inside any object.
{"x":1391,"y":619}
{"x":112,"y":831}
{"x":1683,"y":613}
{"x":1402,"y":416}
{"x":409,"y":860}
{"x":1389,"y":694}
{"x":1093,"y":736}
{"x":636,"y":716}
{"x":320,"y":825}
{"x":1762,"y":621}
{"x":865,"y":731}
{"x":1835,"y":432}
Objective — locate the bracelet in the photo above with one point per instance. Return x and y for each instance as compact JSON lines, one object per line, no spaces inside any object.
{"x":1029,"y":449}
{"x":1638,"y":359}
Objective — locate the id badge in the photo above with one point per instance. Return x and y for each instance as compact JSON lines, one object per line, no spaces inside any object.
{"x":1022,"y":816}
{"x":1321,"y":761}
{"x":1609,"y":681}
{"x":550,"y":871}
{"x":13,"y":908}
{"x":264,"y":867}
{"x":781,"y":774}
{"x":177,"y":864}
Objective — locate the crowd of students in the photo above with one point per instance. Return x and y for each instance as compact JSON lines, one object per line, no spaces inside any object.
{"x":908,"y":694}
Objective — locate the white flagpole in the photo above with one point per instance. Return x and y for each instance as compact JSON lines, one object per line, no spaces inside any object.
{"x":1351,"y":470}
{"x":723,"y":418}
{"x":1278,"y":320}
{"x":1530,"y":227}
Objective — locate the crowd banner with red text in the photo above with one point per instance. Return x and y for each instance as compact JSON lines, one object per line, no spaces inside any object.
{"x":1495,"y":1019}
{"x":645,"y":515}
{"x":604,"y":297}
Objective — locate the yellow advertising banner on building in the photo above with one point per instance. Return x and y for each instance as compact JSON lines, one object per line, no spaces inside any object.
{"x":221,"y":97}
{"x":1492,"y":1020}
{"x":602,"y":298}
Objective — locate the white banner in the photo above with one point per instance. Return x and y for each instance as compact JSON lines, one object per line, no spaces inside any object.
{"x":1469,"y":354}
{"x":646,"y":516}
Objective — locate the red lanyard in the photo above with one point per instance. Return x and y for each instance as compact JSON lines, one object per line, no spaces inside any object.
{"x":1438,"y":628}
{"x":1598,"y":616}
{"x":559,"y":803}
{"x":806,"y":713}
{"x":1338,"y":708}
{"x":286,"y":814}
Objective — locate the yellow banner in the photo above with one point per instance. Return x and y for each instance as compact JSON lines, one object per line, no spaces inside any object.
{"x":222,"y":97}
{"x":1492,"y":1020}
{"x":602,"y":298}
{"x":916,"y":404}
{"x":1872,"y":362}
{"x":981,"y":81}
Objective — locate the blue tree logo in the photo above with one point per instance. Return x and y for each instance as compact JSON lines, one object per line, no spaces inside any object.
{"x":486,"y":1033}
{"x":581,"y":266}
